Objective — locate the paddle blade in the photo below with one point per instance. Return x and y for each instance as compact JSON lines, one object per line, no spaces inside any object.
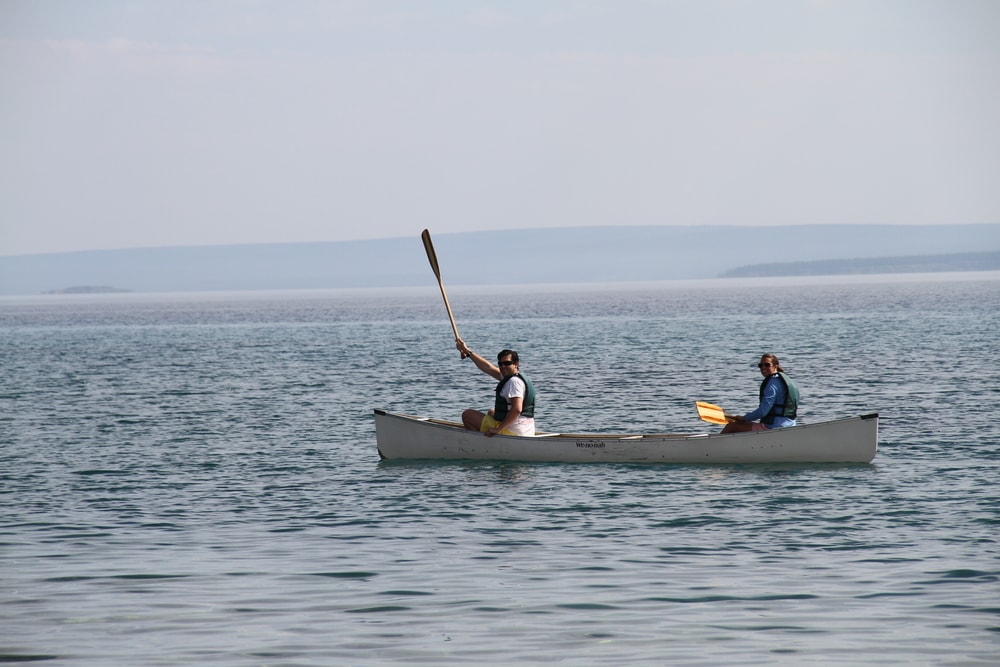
{"x":712,"y":414}
{"x":425,"y":236}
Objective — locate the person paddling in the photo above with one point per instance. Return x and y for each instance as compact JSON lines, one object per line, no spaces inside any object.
{"x":779,"y":401}
{"x":514,"y":410}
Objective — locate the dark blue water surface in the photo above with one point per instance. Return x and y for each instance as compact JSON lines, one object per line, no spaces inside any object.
{"x":192,"y":479}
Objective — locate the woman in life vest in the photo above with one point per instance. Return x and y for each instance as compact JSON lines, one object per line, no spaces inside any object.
{"x":779,"y":401}
{"x":514,"y":410}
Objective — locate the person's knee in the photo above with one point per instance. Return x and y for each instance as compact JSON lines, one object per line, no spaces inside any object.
{"x":472,"y":419}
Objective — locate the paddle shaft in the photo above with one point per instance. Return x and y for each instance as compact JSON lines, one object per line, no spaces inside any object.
{"x":432,"y":258}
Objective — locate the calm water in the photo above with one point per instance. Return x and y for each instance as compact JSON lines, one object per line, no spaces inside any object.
{"x":193,"y":480}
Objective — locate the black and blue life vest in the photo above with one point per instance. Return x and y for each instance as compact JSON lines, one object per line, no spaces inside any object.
{"x":789,"y":408}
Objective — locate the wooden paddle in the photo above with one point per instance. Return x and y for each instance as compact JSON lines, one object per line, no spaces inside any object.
{"x":432,"y":258}
{"x":712,"y":413}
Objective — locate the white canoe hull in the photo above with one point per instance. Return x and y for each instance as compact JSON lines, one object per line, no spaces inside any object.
{"x":852,"y":440}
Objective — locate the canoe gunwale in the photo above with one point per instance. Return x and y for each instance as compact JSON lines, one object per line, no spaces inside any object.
{"x":551,"y":434}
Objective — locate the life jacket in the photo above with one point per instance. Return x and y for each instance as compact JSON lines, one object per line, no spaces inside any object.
{"x":789,"y":408}
{"x":527,"y":403}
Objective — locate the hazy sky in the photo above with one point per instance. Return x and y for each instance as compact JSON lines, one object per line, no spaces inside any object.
{"x":129,"y":123}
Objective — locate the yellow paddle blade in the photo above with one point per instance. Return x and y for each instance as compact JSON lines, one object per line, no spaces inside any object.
{"x":711,"y":413}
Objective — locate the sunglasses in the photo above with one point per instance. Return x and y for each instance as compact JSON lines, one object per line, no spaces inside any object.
{"x":506,"y":363}
{"x":764,"y":365}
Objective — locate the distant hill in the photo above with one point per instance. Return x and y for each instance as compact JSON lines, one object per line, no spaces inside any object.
{"x":553,"y":255}
{"x":966,"y":261}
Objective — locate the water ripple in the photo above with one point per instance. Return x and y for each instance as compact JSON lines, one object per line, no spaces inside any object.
{"x":198,"y":484}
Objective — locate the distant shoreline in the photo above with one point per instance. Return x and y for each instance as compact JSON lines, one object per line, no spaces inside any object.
{"x":463,"y":291}
{"x":954,"y":262}
{"x":87,"y":289}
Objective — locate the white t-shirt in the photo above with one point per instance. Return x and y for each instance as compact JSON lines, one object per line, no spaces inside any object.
{"x":515,"y":388}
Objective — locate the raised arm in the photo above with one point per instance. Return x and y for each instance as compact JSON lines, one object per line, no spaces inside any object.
{"x":481,"y":362}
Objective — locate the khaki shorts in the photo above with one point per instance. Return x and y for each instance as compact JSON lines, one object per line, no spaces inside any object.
{"x":489,"y":422}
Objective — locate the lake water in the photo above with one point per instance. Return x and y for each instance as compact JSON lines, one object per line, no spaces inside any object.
{"x":192,"y":479}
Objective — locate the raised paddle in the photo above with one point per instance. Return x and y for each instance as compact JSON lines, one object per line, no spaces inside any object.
{"x":712,"y":413}
{"x":432,"y":258}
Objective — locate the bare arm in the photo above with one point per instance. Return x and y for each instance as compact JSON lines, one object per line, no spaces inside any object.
{"x":516,"y":405}
{"x":481,"y":362}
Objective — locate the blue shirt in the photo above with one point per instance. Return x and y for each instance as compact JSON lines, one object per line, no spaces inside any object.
{"x":774,"y":393}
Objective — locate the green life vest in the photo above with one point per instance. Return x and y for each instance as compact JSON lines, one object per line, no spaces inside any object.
{"x":527,"y":404}
{"x":789,"y":408}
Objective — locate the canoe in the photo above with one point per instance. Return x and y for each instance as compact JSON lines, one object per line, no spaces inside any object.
{"x":850,"y":440}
